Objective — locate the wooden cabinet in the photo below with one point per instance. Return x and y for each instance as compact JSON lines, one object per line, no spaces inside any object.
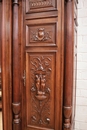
{"x":42,"y":92}
{"x":43,"y":69}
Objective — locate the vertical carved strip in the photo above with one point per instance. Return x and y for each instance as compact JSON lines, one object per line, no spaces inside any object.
{"x":16,"y":86}
{"x":68,"y":75}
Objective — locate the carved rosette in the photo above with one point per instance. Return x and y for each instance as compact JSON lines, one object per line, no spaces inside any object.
{"x":40,"y":90}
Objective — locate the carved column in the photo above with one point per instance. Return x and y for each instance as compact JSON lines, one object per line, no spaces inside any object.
{"x":68,"y":74}
{"x":16,"y":86}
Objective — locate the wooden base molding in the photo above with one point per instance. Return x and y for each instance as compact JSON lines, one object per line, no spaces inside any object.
{"x":16,"y":111}
{"x":67,"y":117}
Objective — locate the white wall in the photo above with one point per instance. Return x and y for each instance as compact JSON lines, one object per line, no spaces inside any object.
{"x":81,"y":99}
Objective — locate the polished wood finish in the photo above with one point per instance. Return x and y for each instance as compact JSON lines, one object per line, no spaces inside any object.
{"x":70,"y":64}
{"x":7,"y":64}
{"x":38,"y":49}
{"x":43,"y":69}
{"x":0,"y":53}
{"x":16,"y":80}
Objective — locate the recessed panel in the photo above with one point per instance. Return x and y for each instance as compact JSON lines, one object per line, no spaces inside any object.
{"x":40,"y":5}
{"x":40,"y":86}
{"x":41,"y":35}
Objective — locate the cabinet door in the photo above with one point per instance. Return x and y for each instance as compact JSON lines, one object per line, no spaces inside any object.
{"x":42,"y":92}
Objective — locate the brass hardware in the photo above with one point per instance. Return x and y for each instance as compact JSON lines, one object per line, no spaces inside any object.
{"x":24,"y":77}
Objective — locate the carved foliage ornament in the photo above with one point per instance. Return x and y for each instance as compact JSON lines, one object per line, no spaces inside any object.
{"x":40,"y":90}
{"x":40,"y":35}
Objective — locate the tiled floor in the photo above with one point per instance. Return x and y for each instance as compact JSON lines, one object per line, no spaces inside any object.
{"x":0,"y":120}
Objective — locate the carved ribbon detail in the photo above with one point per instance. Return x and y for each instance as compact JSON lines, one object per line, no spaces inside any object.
{"x":40,"y":90}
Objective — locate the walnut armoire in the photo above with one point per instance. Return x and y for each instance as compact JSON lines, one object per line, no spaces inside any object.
{"x":39,"y":41}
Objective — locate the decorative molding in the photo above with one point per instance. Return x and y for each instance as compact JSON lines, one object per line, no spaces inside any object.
{"x":67,"y":117}
{"x":40,"y":3}
{"x":40,"y":35}
{"x":16,"y":77}
{"x":68,"y":66}
{"x":16,"y":111}
{"x":40,"y":90}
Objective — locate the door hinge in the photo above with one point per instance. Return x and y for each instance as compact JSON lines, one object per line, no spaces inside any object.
{"x":24,"y":77}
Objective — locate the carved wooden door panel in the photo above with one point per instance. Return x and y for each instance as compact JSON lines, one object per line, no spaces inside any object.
{"x":42,"y":92}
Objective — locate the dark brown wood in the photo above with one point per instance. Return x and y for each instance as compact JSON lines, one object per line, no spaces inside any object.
{"x":69,"y":74}
{"x":42,"y":45}
{"x":7,"y":64}
{"x":16,"y":80}
{"x":0,"y":52}
{"x":68,"y":69}
{"x":36,"y":56}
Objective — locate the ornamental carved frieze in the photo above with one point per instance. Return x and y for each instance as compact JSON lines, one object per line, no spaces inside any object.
{"x":40,"y":90}
{"x":40,"y":3}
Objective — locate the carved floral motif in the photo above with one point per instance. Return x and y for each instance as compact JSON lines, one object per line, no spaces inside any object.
{"x":40,"y":90}
{"x":40,"y":35}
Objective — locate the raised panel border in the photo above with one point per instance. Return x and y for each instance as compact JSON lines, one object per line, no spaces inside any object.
{"x":28,"y":54}
{"x":40,"y":6}
{"x":50,"y":31}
